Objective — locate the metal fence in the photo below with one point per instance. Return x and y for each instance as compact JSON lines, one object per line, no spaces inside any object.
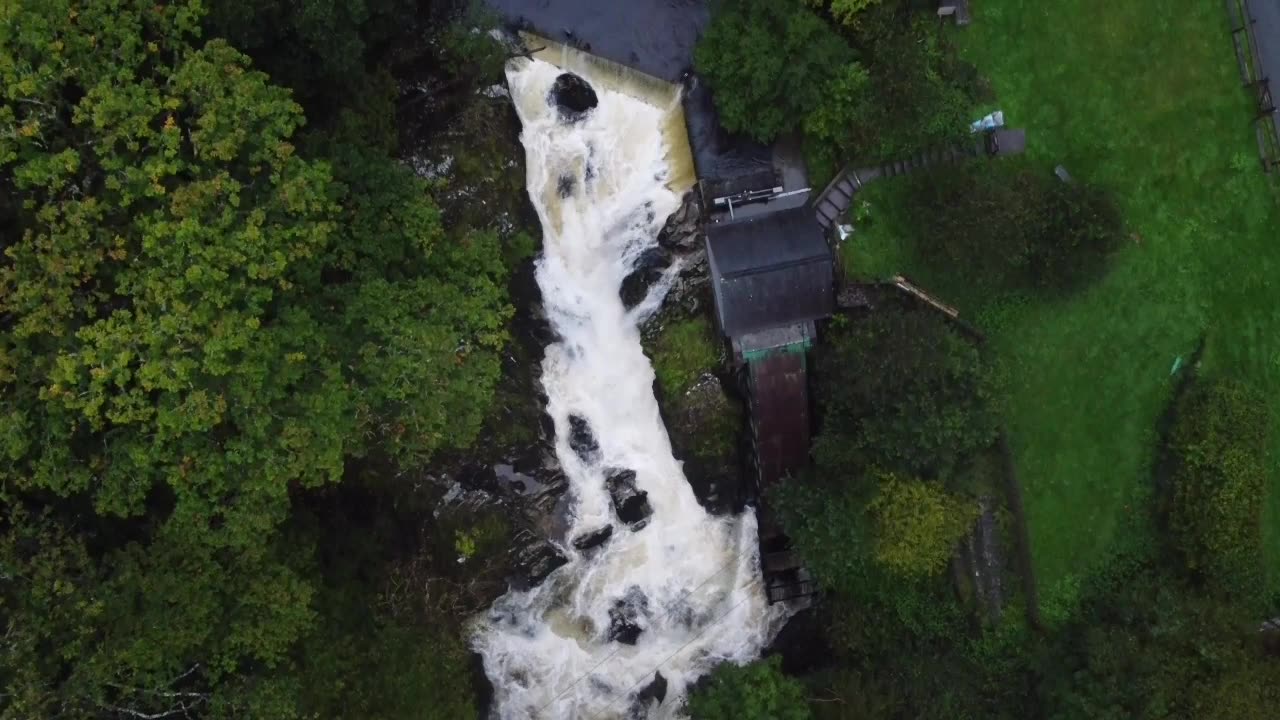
{"x":1256,"y":81}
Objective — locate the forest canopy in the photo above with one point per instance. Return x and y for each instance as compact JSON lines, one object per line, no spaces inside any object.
{"x":210,"y":313}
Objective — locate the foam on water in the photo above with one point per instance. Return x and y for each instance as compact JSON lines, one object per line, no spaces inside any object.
{"x":546,"y":650}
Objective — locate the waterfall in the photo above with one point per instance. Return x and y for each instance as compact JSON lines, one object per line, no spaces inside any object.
{"x":687,"y":582}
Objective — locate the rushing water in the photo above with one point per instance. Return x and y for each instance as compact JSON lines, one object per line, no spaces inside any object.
{"x":689,"y":581}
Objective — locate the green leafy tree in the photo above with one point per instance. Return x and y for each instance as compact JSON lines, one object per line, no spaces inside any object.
{"x":1146,"y":644}
{"x":767,"y":62}
{"x":756,"y":691}
{"x":917,"y":524}
{"x":319,"y":48}
{"x":846,"y":11}
{"x":167,"y":224}
{"x":844,"y":121}
{"x":199,"y":325}
{"x":904,"y":391}
{"x":913,"y":92}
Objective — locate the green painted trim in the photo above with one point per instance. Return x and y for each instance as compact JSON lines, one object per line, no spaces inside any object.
{"x":795,"y":347}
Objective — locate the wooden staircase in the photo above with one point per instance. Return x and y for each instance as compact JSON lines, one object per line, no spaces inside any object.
{"x":786,"y":579}
{"x":836,"y":199}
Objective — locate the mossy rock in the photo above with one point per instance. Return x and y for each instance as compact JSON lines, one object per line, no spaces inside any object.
{"x":703,"y":419}
{"x":705,"y":424}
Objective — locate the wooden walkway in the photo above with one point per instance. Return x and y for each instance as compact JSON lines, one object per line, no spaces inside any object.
{"x":830,"y":204}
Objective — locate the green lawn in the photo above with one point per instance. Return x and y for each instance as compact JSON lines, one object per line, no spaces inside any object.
{"x":1145,"y":100}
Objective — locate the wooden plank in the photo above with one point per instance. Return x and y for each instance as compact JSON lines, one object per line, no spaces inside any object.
{"x":911,"y":288}
{"x":1236,"y":11}
{"x":794,"y":591}
{"x":1261,"y":132}
{"x":827,"y":190}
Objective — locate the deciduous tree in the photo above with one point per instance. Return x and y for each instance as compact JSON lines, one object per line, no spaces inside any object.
{"x":902,"y":390}
{"x":198,"y":325}
{"x":767,"y":62}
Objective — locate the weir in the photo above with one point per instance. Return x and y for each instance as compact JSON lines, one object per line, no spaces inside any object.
{"x":642,"y":86}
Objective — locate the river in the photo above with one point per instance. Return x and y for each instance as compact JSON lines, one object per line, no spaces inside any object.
{"x":687,"y":582}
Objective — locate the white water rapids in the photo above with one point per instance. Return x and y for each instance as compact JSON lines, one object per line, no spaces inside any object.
{"x":547,"y":650}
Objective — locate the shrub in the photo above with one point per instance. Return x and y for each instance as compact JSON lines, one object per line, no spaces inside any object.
{"x":917,"y":525}
{"x":1219,"y":446}
{"x":904,"y":391}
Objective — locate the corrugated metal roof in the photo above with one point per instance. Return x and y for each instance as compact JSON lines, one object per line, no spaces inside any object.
{"x":770,"y":270}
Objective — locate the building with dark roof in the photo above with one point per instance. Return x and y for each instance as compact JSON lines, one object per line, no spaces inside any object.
{"x":772,"y":277}
{"x":769,"y":272}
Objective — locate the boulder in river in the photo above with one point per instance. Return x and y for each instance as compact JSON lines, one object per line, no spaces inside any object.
{"x":592,"y":539}
{"x":626,"y":614}
{"x":573,"y":97}
{"x":582,"y":440}
{"x":629,"y":502}
{"x":648,"y":270}
{"x":655,"y":691}
{"x":683,"y":230}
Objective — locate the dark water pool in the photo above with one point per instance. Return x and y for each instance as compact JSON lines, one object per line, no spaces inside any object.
{"x":653,"y":36}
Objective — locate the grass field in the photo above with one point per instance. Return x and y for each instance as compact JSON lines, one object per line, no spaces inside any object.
{"x":1143,"y":99}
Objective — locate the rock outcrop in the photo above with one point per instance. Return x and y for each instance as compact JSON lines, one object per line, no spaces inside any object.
{"x":683,"y":230}
{"x":705,"y":424}
{"x":582,"y":440}
{"x":592,"y":538}
{"x":655,"y":692}
{"x":629,"y":502}
{"x":648,"y":270}
{"x":533,"y":559}
{"x":573,"y":97}
{"x":626,"y":616}
{"x":683,"y":239}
